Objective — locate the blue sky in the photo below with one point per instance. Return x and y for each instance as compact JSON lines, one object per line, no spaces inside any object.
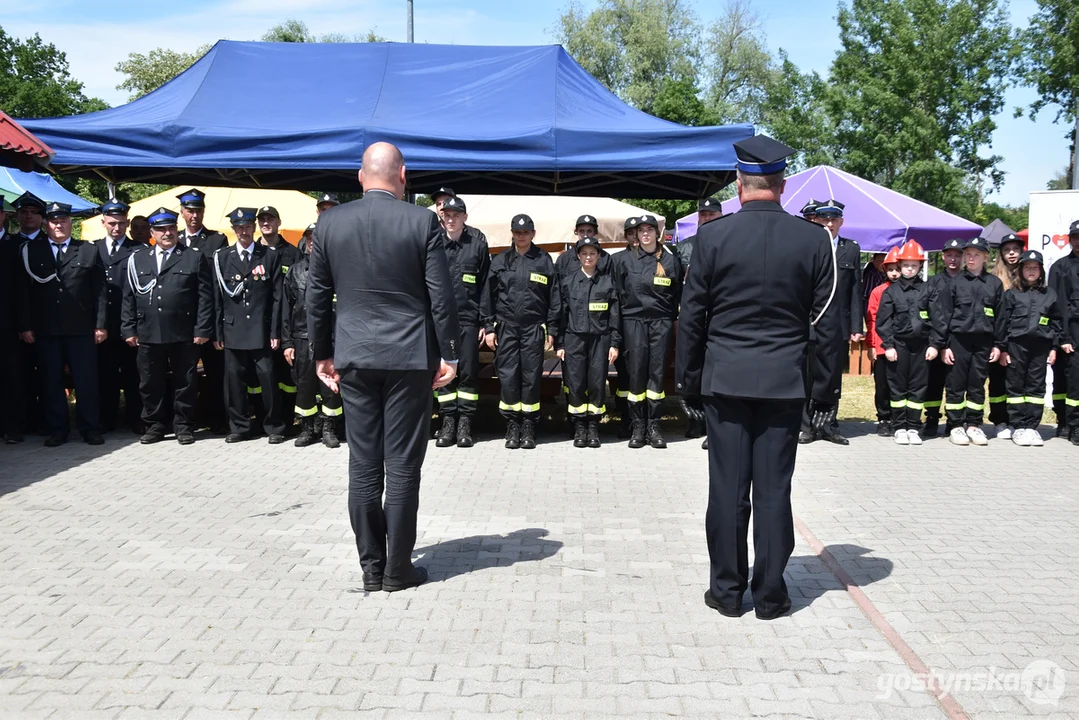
{"x":96,"y":36}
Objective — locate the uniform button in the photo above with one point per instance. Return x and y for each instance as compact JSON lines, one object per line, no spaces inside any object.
{"x":248,"y":317}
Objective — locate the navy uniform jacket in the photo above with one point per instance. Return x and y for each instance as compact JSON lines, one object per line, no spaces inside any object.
{"x":205,"y":241}
{"x":470,"y":261}
{"x":10,"y":269}
{"x":568,"y":262}
{"x":522,"y":290}
{"x":252,"y":316}
{"x":971,"y":306}
{"x":644,"y":294}
{"x":1030,"y":316}
{"x":115,"y":279}
{"x":180,"y":305}
{"x":904,"y":314}
{"x":1064,"y":280}
{"x":938,"y":284}
{"x":590,"y":307}
{"x":759,"y":278}
{"x":288,"y":254}
{"x":848,"y":291}
{"x":72,"y":303}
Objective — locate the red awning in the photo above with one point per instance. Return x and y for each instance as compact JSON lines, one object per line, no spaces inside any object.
{"x":19,"y":149}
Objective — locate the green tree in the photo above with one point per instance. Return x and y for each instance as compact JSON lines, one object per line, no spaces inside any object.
{"x":146,"y":73}
{"x":35,"y":81}
{"x":738,"y":64}
{"x":794,"y":112}
{"x":296,"y":31}
{"x":1060,"y":181}
{"x":1050,"y":57}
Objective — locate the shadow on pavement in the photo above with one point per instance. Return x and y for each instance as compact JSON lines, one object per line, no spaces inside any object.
{"x":30,"y":462}
{"x":808,"y":578}
{"x":459,"y":556}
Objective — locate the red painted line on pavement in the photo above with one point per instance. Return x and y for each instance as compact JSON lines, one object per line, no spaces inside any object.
{"x":948,"y":704}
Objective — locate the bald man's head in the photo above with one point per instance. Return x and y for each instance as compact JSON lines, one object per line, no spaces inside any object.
{"x":383,"y":168}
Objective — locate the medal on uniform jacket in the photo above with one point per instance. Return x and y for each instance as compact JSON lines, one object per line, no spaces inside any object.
{"x":259,"y":273}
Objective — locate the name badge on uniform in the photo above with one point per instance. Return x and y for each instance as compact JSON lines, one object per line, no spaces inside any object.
{"x":597,"y":307}
{"x":284,"y":269}
{"x":663,"y":281}
{"x":989,"y":312}
{"x":923,"y":314}
{"x":470,"y":279}
{"x":537,"y":277}
{"x":1044,"y":320}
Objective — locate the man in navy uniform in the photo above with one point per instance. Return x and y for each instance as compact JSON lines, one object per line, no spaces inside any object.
{"x":269,"y":221}
{"x":167,"y":314}
{"x":30,"y":214}
{"x":62,"y":312}
{"x":760,"y":279}
{"x":247,"y":286}
{"x":708,"y":209}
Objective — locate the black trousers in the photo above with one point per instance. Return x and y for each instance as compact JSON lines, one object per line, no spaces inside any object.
{"x":621,"y":383}
{"x":938,"y":374}
{"x":585,"y":373}
{"x":998,"y":394}
{"x":1071,"y":371}
{"x":1061,"y":368}
{"x":881,"y":397}
{"x":286,"y":386}
{"x":212,"y":389}
{"x":80,"y":354}
{"x":1025,"y":382}
{"x":386,"y":421}
{"x":813,"y":350}
{"x":646,"y":344}
{"x":168,"y":398}
{"x":236,"y":362}
{"x":461,"y":396}
{"x":13,"y":385}
{"x":751,"y":453}
{"x":519,"y":362}
{"x":965,"y":399}
{"x":308,"y":386}
{"x":908,"y":379}
{"x":117,"y":371}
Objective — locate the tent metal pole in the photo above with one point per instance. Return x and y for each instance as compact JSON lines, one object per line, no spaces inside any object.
{"x":410,"y":30}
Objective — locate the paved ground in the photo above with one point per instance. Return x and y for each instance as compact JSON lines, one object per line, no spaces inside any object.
{"x":190,"y":582}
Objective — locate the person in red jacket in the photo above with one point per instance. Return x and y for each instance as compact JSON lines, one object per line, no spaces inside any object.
{"x":881,"y":397}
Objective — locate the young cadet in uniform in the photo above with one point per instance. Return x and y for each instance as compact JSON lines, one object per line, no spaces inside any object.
{"x":1006,"y":268}
{"x":439,"y":198}
{"x":62,"y":312}
{"x":470,"y":261}
{"x":325,"y":202}
{"x":968,"y":316}
{"x":521,"y":307}
{"x":649,"y":282}
{"x":1064,"y":279}
{"x":939,"y":284}
{"x":269,"y":221}
{"x":589,"y":341}
{"x":708,"y":209}
{"x":1030,"y":328}
{"x":117,"y":367}
{"x":168,"y":312}
{"x":882,"y":398}
{"x":248,"y":306}
{"x":298,"y":354}
{"x":903,"y":324}
{"x":197,"y":237}
{"x":568,"y":263}
{"x":621,"y":382}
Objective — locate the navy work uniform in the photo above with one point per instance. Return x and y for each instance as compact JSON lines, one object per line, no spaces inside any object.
{"x":62,"y":303}
{"x":521,"y":306}
{"x":621,"y":372}
{"x":248,"y":295}
{"x":939,"y":284}
{"x":168,"y":301}
{"x":1064,"y":279}
{"x":26,"y":404}
{"x":998,"y":392}
{"x":117,"y":367}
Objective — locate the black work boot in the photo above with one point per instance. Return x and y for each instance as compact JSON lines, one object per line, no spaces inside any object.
{"x":447,"y":435}
{"x":929,"y":430}
{"x":655,"y":438}
{"x":625,"y":426}
{"x":636,"y":438}
{"x":513,"y":435}
{"x":1075,"y":436}
{"x":580,"y":439}
{"x":464,"y":431}
{"x":528,"y":435}
{"x":593,"y":433}
{"x":1063,"y":431}
{"x":329,"y":433}
{"x":884,"y":428}
{"x":307,"y":434}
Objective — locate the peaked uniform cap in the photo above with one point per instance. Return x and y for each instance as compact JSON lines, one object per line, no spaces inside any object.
{"x":954,"y":244}
{"x":455,"y":203}
{"x":269,"y":210}
{"x":328,"y":198}
{"x":649,"y":220}
{"x":162,"y":217}
{"x":114,"y":207}
{"x":832,"y":208}
{"x":57,"y":210}
{"x":1011,"y":237}
{"x":442,"y":191}
{"x":761,"y":155}
{"x":193,"y":198}
{"x":977,"y":243}
{"x":586,"y":220}
{"x":1032,"y":256}
{"x":242,"y":216}
{"x":632,"y":222}
{"x":522,"y":222}
{"x":29,"y":199}
{"x":710,"y":204}
{"x":586,"y":242}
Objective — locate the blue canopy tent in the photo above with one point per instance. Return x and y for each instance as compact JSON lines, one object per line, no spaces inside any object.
{"x":14,"y":183}
{"x":503,"y":120}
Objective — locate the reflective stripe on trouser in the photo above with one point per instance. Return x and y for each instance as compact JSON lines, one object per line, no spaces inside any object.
{"x":908,"y":378}
{"x":585,"y":371}
{"x":934,"y":394}
{"x":286,"y":386}
{"x":880,"y":389}
{"x":309,"y":387}
{"x":1071,"y":399}
{"x":519,"y":362}
{"x":646,"y":344}
{"x":998,"y":395}
{"x":1025,"y":383}
{"x":237,"y":389}
{"x":460,"y":396}
{"x":965,"y":403}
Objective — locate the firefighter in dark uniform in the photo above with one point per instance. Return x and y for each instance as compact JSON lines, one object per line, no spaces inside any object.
{"x":439,"y":198}
{"x":625,"y":427}
{"x":269,"y":222}
{"x":1064,"y":280}
{"x":848,"y":303}
{"x":470,"y":262}
{"x":649,"y":282}
{"x":521,"y":309}
{"x":568,"y":262}
{"x":29,"y":409}
{"x":325,"y":202}
{"x":759,"y":279}
{"x":167,"y":313}
{"x":938,"y":372}
{"x":12,"y":394}
{"x":297,"y":352}
{"x":248,"y":283}
{"x":197,"y":237}
{"x":62,"y":312}
{"x":117,"y":366}
{"x":589,"y":340}
{"x":708,"y":209}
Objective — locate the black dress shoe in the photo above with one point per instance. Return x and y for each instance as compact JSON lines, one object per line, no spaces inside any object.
{"x":151,"y":437}
{"x":13,"y":438}
{"x":834,"y":437}
{"x":235,"y":437}
{"x":1063,"y":431}
{"x":276,"y":439}
{"x":723,"y":610}
{"x":55,"y":440}
{"x":185,"y":438}
{"x":704,"y":445}
{"x":92,"y":438}
{"x":418,"y":576}
{"x":783,"y":609}
{"x":372,"y":582}
{"x":804,"y":437}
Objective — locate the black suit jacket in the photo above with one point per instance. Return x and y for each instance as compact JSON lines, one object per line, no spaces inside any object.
{"x":251,"y":318}
{"x":385,"y":262}
{"x":10,"y":269}
{"x":205,"y":241}
{"x":180,"y":305}
{"x":848,"y":291}
{"x":759,"y":278}
{"x":115,"y":279}
{"x":72,"y":303}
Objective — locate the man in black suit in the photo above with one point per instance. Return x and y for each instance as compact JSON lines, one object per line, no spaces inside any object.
{"x":759,"y":279}
{"x":396,"y":331}
{"x":168,"y":306}
{"x":12,"y":396}
{"x":62,"y":311}
{"x":117,"y":368}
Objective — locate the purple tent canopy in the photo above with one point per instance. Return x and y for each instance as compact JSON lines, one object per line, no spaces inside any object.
{"x":876,"y":217}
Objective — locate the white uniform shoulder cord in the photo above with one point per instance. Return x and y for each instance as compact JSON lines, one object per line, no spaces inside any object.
{"x":133,"y":276}
{"x":26,"y":264}
{"x":220,"y":278}
{"x":835,"y":279}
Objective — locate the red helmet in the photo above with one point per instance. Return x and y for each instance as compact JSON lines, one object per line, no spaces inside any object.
{"x":892,"y":257}
{"x":912,"y":251}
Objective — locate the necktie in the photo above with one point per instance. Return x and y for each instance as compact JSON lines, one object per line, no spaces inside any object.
{"x":246,"y":256}
{"x":161,"y":255}
{"x":59,"y":247}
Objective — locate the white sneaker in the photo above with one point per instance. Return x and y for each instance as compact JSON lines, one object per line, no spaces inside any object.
{"x":901,"y":437}
{"x":1035,"y":438}
{"x":1004,"y":432}
{"x":977,"y":436}
{"x":913,"y":438}
{"x":959,"y":436}
{"x":1020,"y":437}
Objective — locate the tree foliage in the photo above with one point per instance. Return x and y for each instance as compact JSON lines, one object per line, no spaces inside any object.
{"x":1050,"y":57}
{"x":35,"y":81}
{"x":296,"y":31}
{"x":738,"y":64}
{"x":146,"y":73}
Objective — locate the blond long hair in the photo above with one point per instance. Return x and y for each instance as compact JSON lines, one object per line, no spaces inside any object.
{"x":1007,"y":275}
